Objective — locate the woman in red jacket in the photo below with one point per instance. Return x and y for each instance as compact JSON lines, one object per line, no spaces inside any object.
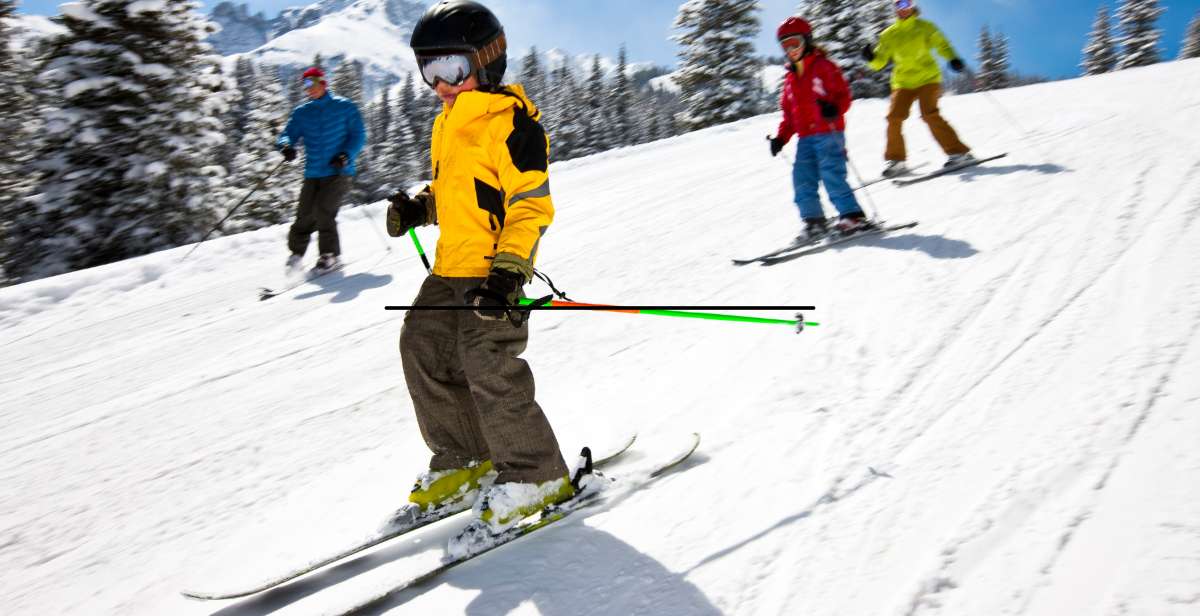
{"x":815,"y":97}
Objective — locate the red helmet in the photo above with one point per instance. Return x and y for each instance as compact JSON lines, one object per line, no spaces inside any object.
{"x":315,"y":73}
{"x":793,"y":26}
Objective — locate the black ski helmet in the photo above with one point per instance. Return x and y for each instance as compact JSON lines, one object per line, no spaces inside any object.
{"x":463,"y":26}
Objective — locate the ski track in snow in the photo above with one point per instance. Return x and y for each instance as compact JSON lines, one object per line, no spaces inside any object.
{"x":996,"y":411}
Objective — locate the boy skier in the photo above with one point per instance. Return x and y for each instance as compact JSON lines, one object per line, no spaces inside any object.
{"x":915,"y":76}
{"x":493,"y":448}
{"x":814,"y":100}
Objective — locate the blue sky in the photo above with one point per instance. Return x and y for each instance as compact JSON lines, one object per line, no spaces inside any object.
{"x":1045,"y":36}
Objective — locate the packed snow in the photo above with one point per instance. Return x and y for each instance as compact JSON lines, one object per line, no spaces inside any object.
{"x":996,"y":415}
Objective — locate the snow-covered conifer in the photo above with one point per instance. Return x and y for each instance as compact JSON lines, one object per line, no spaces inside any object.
{"x":257,"y":157}
{"x":718,"y":73}
{"x":564,"y":114}
{"x":532,"y":77}
{"x":620,"y":103}
{"x":1139,"y":34}
{"x":993,"y":61}
{"x":1100,"y":53}
{"x":127,"y":166}
{"x":598,"y":125}
{"x":1191,"y":40}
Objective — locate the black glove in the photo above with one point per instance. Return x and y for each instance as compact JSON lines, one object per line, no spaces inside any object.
{"x":868,"y":52}
{"x":405,"y":213}
{"x":340,"y":160}
{"x":829,"y":111}
{"x":289,"y":153}
{"x":957,"y":65}
{"x":777,"y":144}
{"x":502,"y":288}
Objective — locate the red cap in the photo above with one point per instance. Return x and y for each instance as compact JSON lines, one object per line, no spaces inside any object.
{"x":793,"y":26}
{"x":315,"y":72}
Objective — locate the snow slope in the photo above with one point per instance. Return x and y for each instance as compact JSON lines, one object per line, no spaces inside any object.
{"x":1020,"y":372}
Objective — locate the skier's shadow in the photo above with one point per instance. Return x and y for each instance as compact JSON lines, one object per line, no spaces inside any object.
{"x":935,"y":246}
{"x":345,"y":288}
{"x":968,"y":175}
{"x":594,"y":573}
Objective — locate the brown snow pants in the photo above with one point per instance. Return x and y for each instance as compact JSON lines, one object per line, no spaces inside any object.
{"x":927,"y":97}
{"x":473,"y":396}
{"x":317,"y":211}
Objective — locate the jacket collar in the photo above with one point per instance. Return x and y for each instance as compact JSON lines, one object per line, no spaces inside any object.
{"x":470,"y":106}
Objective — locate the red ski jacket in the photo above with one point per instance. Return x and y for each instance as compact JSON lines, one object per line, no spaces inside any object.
{"x":816,"y":78}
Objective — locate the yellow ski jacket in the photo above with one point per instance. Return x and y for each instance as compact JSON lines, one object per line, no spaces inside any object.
{"x":907,"y":43}
{"x":490,"y":184}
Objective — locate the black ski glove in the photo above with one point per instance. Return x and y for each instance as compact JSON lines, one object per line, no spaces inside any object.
{"x":289,"y":153}
{"x":405,"y":213}
{"x":777,"y":144}
{"x":957,"y":65}
{"x":868,"y":52}
{"x":502,"y":288}
{"x":829,"y":111}
{"x":340,"y":160}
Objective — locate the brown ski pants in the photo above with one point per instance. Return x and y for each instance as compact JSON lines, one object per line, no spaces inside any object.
{"x":927,"y":97}
{"x":473,"y":396}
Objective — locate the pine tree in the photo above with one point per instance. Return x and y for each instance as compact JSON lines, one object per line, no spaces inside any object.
{"x":718,"y":73}
{"x":256,"y":158}
{"x":875,"y":17}
{"x":993,"y":61}
{"x":401,"y":152}
{"x":127,"y":164}
{"x":381,"y":125}
{"x":532,"y":77}
{"x":598,"y":131}
{"x":1100,"y":53}
{"x":1139,"y":35}
{"x":425,"y":108}
{"x":18,"y":132}
{"x":1191,"y":41}
{"x":565,"y":114}
{"x":620,"y":101}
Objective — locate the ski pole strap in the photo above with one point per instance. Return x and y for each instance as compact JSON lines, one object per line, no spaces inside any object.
{"x":553,"y":289}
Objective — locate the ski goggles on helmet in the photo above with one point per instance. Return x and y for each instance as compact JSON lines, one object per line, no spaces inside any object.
{"x":792,"y":42}
{"x":309,"y":82}
{"x":453,"y":69}
{"x":905,"y":4}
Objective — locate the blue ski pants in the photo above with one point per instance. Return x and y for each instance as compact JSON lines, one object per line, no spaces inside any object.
{"x":822,"y":158}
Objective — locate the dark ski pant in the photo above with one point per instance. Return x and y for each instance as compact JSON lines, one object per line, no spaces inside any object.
{"x":927,"y":99}
{"x":821,"y":159}
{"x":474,"y":398}
{"x":317,"y":211}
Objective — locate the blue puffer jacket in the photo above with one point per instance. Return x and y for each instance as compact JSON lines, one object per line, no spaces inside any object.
{"x":327,"y":126}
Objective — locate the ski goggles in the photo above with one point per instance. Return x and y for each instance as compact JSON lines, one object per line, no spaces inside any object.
{"x":905,"y":4}
{"x":792,"y":42}
{"x":309,"y":82}
{"x":453,"y":69}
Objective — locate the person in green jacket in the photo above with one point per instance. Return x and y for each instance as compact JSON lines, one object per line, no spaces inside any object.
{"x":915,"y":77}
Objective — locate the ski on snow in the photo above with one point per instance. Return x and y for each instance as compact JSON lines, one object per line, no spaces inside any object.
{"x":799,"y":249}
{"x":548,"y":516}
{"x":881,"y":178}
{"x":828,"y":243}
{"x":265,"y":293}
{"x":396,"y":527}
{"x":945,"y":171}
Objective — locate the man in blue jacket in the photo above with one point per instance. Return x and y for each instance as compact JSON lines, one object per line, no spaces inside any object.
{"x":331,"y":129}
